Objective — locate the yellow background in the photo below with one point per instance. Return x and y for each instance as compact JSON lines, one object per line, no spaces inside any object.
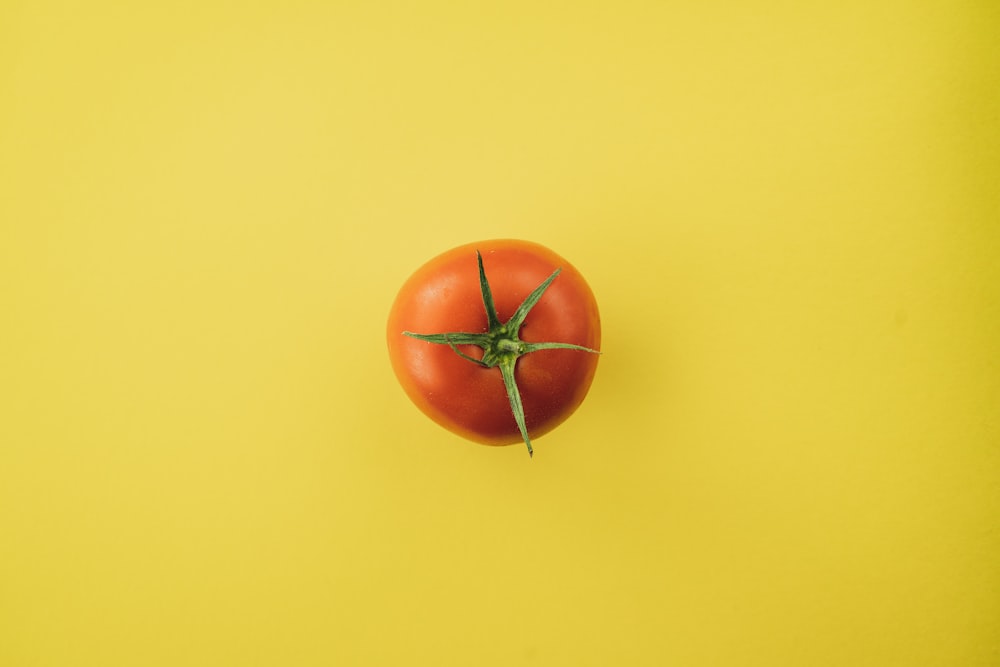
{"x":789,"y":215}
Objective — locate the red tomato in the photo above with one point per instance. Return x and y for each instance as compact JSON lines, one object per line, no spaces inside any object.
{"x":445,"y":295}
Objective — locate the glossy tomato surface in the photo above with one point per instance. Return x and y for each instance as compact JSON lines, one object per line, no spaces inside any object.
{"x":470,"y":400}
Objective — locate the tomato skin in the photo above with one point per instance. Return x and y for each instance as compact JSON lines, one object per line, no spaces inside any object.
{"x":444,"y":296}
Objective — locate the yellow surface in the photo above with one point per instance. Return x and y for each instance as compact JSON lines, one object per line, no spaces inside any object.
{"x":788,"y":212}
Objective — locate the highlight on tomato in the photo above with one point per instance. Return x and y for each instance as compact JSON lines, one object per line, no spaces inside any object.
{"x":496,"y":341}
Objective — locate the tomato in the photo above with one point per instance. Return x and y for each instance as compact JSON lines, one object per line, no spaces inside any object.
{"x":540,"y":357}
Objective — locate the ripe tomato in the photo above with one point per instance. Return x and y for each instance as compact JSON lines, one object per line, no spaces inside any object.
{"x":538,"y":346}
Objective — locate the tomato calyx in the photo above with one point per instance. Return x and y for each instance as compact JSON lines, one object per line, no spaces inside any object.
{"x":500,"y":344}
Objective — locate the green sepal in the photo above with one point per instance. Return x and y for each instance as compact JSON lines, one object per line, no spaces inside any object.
{"x":514,"y":396}
{"x":534,"y":347}
{"x":454,"y":338}
{"x":515,"y":322}
{"x":484,"y":286}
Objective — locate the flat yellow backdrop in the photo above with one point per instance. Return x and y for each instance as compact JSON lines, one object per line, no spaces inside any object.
{"x":788,"y":212}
